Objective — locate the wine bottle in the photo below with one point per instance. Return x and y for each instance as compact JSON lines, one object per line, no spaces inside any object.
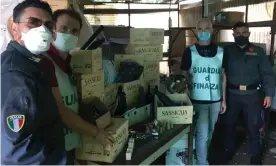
{"x":122,"y":106}
{"x":164,"y":99}
{"x":150,"y":96}
{"x":142,"y":97}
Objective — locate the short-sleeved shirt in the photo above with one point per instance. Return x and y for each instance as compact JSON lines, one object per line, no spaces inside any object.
{"x":204,"y":51}
{"x":49,"y":67}
{"x":31,"y":128}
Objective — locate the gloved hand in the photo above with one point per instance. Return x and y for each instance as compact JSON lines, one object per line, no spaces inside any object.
{"x":163,"y":126}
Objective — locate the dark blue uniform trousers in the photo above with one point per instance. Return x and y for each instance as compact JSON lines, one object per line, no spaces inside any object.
{"x":250,"y":106}
{"x":71,"y":157}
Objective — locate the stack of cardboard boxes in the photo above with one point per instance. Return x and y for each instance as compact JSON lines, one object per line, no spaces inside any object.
{"x":146,"y":49}
{"x":87,"y":68}
{"x":89,"y":77}
{"x":148,"y":43}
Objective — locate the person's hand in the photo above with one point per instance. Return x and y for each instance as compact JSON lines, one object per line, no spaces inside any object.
{"x":267,"y":101}
{"x":104,"y":137}
{"x":223,"y":107}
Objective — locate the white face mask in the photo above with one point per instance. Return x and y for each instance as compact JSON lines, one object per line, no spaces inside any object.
{"x":65,"y":42}
{"x":37,"y":40}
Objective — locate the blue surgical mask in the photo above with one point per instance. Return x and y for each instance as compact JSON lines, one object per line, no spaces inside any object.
{"x":204,"y":36}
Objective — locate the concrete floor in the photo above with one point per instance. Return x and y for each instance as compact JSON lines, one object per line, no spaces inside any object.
{"x":241,"y":156}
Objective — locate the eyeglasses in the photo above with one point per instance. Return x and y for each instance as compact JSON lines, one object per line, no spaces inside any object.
{"x":35,"y":22}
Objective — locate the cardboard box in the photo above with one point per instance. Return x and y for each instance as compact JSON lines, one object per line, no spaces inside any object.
{"x":150,"y":52}
{"x":86,"y":61}
{"x":91,"y":150}
{"x":151,"y":70}
{"x":138,"y":115}
{"x":94,"y":111}
{"x":90,"y":85}
{"x":229,"y":18}
{"x":131,"y":90}
{"x":146,"y":36}
{"x":152,"y":83}
{"x":118,"y":58}
{"x":58,"y":4}
{"x":110,"y":94}
{"x":176,"y":114}
{"x":180,"y":147}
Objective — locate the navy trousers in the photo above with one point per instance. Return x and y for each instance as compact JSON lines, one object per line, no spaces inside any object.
{"x":250,"y":106}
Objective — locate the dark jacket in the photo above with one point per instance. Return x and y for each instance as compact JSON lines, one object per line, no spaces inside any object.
{"x":248,"y":66}
{"x":31,"y":129}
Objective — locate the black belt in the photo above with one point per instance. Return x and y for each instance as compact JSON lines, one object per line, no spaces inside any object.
{"x":244,"y":87}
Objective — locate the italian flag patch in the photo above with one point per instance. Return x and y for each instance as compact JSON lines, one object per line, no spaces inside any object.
{"x":16,"y":122}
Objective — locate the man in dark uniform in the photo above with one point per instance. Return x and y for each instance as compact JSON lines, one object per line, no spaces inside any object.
{"x":248,"y":69}
{"x":31,"y":129}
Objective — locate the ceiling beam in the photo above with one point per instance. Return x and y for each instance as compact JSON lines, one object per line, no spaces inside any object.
{"x":125,"y":11}
{"x":88,"y":2}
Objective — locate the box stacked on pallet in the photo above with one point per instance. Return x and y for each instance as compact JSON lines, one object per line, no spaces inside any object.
{"x":148,"y":42}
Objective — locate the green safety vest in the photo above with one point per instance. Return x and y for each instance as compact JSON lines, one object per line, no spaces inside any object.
{"x":70,"y":98}
{"x":206,"y":76}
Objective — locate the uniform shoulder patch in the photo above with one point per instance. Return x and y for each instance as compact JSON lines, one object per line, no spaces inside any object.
{"x":15,"y":122}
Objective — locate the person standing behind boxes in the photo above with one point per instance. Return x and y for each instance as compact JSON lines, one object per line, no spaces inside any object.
{"x":203,"y":65}
{"x":31,"y":129}
{"x":57,"y":62}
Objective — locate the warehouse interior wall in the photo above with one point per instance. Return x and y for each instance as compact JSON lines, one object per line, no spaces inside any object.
{"x":256,"y":12}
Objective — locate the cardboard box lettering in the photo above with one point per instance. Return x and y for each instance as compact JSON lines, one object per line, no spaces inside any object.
{"x":131,"y":87}
{"x":176,"y":114}
{"x":144,"y":36}
{"x":94,"y":151}
{"x":151,"y":70}
{"x":90,"y":85}
{"x":86,"y":61}
{"x":110,"y":94}
{"x":131,"y":90}
{"x":150,"y":52}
